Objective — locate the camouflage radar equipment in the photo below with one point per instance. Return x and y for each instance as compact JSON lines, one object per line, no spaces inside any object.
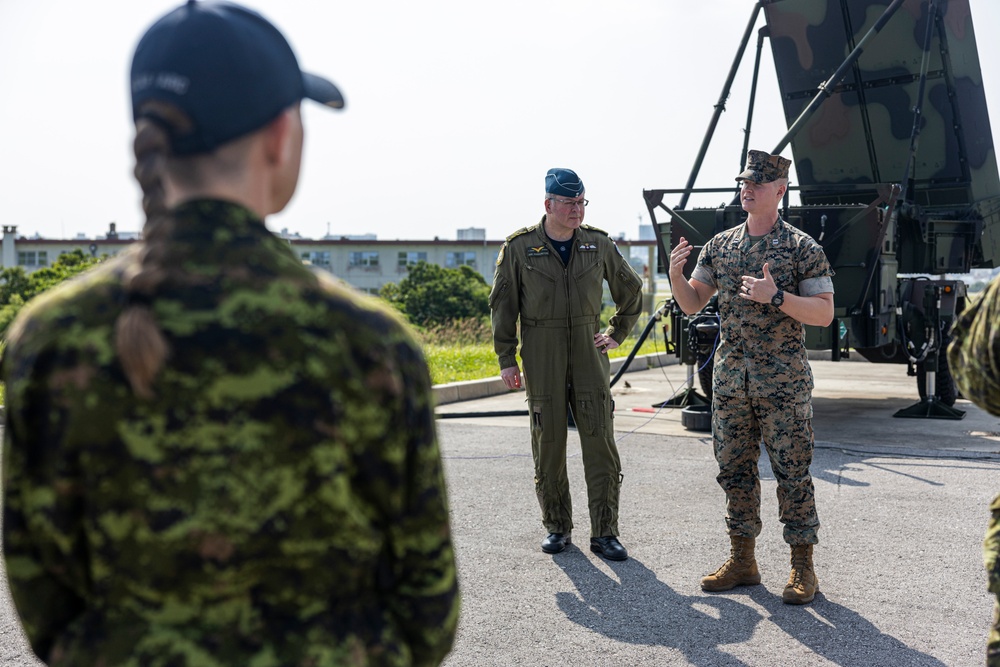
{"x":896,"y":169}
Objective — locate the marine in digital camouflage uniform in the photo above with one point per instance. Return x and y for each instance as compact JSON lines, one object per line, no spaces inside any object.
{"x":275,"y":495}
{"x":974,"y":359}
{"x":557,"y":300}
{"x":771,"y":278}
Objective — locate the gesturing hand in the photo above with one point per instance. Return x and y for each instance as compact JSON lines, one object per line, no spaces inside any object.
{"x":678,"y":258}
{"x":758,"y":289}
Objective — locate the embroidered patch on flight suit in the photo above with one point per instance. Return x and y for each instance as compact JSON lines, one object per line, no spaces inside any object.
{"x":500,"y":256}
{"x":538,"y":251}
{"x":587,"y":247}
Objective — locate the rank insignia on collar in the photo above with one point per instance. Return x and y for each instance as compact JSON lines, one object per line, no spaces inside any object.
{"x":538,"y":251}
{"x":775,"y":242}
{"x":587,"y":247}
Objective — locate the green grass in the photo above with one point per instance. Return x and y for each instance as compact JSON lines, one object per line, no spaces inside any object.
{"x":456,"y":363}
{"x":478,"y":361}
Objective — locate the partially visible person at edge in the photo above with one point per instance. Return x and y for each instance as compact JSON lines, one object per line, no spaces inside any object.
{"x":214,"y":455}
{"x":974,"y":359}
{"x":550,"y":278}
{"x":771,"y":279}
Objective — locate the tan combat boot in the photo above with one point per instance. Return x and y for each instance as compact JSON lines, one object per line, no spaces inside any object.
{"x":802,"y":583}
{"x":739,"y":570}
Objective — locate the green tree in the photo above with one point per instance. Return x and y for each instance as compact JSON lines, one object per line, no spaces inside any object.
{"x":432,"y":294}
{"x":18,"y":287}
{"x":13,"y":281}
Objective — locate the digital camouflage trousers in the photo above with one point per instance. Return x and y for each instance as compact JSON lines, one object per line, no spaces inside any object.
{"x":739,"y":425}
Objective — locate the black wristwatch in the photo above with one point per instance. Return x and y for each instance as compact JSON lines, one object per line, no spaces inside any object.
{"x":778,"y":298}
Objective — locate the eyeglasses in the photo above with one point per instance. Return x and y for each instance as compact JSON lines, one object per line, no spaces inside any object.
{"x":570,"y":202}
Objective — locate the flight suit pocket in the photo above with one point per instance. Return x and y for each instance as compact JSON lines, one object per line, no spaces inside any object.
{"x":501,"y":287}
{"x":630,"y":279}
{"x":541,"y":418}
{"x":590,"y":410}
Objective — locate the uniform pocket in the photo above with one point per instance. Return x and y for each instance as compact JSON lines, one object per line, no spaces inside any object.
{"x":630,"y":278}
{"x":540,"y":273}
{"x":541,"y":417}
{"x":501,"y":287}
{"x":588,"y":271}
{"x":804,"y":410}
{"x":590,"y":409}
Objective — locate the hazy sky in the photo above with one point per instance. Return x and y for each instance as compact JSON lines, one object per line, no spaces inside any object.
{"x":455,"y":109}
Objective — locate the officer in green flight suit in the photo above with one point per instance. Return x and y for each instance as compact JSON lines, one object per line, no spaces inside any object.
{"x":550,"y":278}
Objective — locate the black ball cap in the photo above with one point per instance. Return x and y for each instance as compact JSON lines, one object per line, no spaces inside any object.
{"x":225,"y":66}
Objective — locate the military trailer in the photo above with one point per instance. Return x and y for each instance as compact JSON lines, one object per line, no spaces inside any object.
{"x":897,"y":179}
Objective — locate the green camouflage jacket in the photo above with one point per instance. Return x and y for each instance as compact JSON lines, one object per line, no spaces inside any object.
{"x":991,"y":547}
{"x":974,"y":352}
{"x":761,"y":349}
{"x":280,"y":501}
{"x":532,"y":283}
{"x":974,"y":359}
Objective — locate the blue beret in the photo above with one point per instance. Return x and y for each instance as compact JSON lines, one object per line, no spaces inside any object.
{"x":563,"y":182}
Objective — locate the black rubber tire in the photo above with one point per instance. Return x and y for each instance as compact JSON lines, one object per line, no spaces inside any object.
{"x":697,"y":418}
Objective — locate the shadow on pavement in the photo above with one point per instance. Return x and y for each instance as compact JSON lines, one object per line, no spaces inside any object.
{"x":837,"y":633}
{"x":638,"y":608}
{"x":641,"y":609}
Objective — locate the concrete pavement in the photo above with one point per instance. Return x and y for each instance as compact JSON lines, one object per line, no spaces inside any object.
{"x":903,"y":505}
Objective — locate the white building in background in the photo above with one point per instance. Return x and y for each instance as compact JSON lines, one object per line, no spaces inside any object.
{"x":363,"y":261}
{"x":472,"y":234}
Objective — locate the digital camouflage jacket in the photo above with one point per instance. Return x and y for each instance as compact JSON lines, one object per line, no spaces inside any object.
{"x":762,"y":350}
{"x":280,"y":501}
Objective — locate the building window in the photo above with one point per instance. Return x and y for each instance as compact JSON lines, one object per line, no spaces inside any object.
{"x":408,"y":259}
{"x":32,"y":258}
{"x":454,"y":260}
{"x":320,"y":258}
{"x":363,"y":259}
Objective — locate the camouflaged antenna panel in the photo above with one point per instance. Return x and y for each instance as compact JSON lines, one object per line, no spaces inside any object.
{"x":862,"y":133}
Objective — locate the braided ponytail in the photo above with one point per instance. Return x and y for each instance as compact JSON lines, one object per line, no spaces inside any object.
{"x":141,"y":346}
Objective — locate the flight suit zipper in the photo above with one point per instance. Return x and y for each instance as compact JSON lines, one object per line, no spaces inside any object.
{"x":569,"y":309}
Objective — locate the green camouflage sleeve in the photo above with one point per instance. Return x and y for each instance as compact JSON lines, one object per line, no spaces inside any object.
{"x":991,"y":558}
{"x":43,"y":540}
{"x":423,"y":576}
{"x":974,"y":352}
{"x":991,"y":547}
